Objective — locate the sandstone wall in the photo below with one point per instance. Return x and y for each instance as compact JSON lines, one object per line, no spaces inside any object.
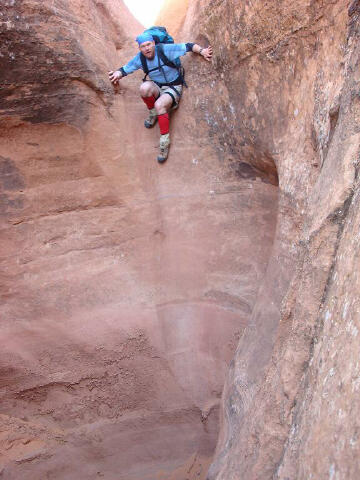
{"x":125,"y":286}
{"x":284,"y":93}
{"x":173,"y":14}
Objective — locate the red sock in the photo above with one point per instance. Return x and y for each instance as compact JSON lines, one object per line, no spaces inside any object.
{"x":164,"y":123}
{"x":150,"y":101}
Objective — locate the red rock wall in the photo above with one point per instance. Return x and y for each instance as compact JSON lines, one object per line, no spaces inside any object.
{"x":286,"y":83}
{"x":173,"y":14}
{"x":125,"y":286}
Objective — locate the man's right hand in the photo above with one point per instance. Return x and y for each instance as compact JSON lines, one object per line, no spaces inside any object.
{"x":114,"y":77}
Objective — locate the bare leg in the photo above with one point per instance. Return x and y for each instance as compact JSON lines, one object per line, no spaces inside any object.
{"x":163,"y":104}
{"x":149,"y":92}
{"x":148,"y":89}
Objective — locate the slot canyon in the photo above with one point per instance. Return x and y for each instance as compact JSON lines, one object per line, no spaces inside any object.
{"x":197,"y":319}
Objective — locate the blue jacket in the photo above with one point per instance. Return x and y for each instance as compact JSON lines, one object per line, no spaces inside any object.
{"x":172,"y":52}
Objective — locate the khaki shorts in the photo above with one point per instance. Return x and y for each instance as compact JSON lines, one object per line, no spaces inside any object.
{"x":174,"y":92}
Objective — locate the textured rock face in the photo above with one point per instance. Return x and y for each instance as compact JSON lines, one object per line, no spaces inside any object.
{"x":125,"y":286}
{"x":286,"y":82}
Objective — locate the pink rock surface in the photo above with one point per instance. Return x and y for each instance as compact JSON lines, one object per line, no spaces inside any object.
{"x":125,"y":285}
{"x":131,"y":292}
{"x":286,"y":75}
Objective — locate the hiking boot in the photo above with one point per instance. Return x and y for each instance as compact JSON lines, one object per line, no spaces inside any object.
{"x":152,"y":118}
{"x":164,"y":148}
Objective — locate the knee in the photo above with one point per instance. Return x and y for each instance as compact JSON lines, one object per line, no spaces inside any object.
{"x":145,"y":89}
{"x":159,"y":107}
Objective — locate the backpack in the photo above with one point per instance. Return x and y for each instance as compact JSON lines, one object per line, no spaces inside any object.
{"x":160,"y":36}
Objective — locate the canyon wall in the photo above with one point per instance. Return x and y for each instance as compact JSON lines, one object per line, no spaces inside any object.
{"x":284,"y":92}
{"x":131,"y":292}
{"x":125,"y":285}
{"x":173,"y":14}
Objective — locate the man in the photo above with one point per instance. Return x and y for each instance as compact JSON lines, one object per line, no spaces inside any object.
{"x":163,"y":91}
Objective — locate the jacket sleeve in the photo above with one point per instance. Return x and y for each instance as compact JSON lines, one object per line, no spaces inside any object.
{"x":174,"y":50}
{"x":133,"y":65}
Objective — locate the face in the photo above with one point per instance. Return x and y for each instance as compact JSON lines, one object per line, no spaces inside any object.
{"x":148,"y":49}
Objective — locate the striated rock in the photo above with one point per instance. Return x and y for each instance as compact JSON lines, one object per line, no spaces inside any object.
{"x":50,"y":58}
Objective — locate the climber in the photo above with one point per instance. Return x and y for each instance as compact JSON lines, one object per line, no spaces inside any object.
{"x":162,"y":92}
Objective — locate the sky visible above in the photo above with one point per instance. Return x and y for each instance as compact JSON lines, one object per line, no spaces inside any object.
{"x":145,"y":11}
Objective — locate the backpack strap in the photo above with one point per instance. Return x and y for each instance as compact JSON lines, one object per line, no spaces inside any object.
{"x":144,"y":64}
{"x":145,"y":67}
{"x":169,"y":63}
{"x":164,"y":58}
